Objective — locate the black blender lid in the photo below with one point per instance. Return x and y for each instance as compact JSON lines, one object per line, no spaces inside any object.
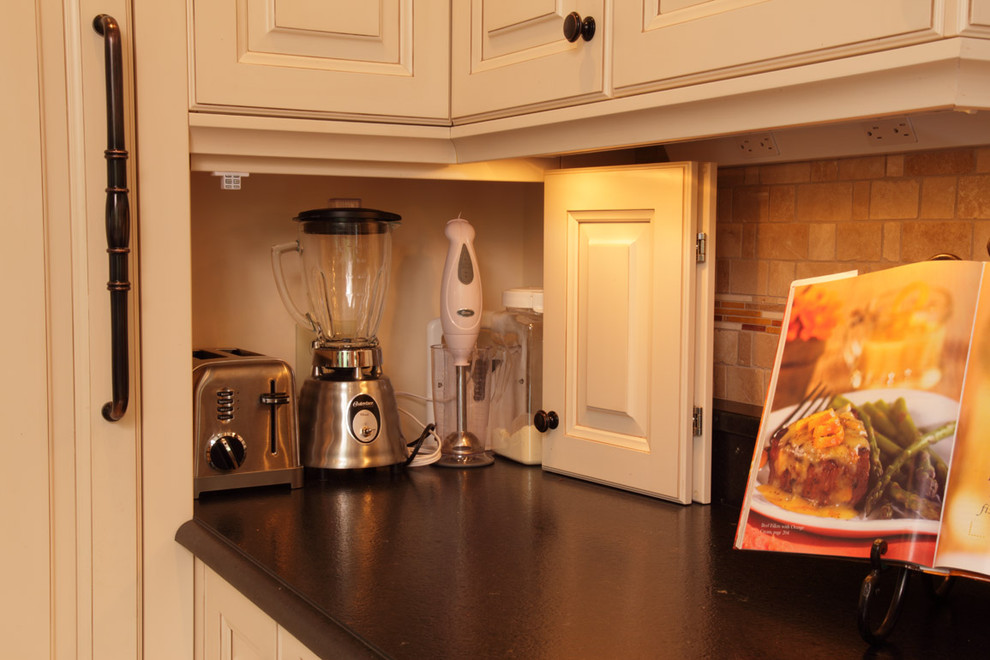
{"x":345,"y":214}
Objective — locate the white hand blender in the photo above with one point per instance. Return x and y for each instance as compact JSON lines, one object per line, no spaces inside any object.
{"x":460,"y":317}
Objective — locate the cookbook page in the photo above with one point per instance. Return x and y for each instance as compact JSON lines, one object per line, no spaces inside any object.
{"x":964,"y":542}
{"x":859,"y":424}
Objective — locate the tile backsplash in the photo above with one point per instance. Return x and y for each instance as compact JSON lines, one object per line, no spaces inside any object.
{"x":784,"y":221}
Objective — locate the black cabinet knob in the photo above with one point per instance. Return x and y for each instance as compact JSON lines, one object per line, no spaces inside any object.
{"x":574,"y":27}
{"x":544,"y":421}
{"x":226,"y":452}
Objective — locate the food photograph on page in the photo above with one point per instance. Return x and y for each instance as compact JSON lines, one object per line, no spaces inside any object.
{"x":859,"y":427}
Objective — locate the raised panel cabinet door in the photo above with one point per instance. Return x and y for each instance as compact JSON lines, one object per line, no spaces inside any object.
{"x":509,"y":55}
{"x":978,"y":15}
{"x":234,"y":628}
{"x":619,"y":324}
{"x":290,"y":648}
{"x":373,"y":60}
{"x":658,"y":43}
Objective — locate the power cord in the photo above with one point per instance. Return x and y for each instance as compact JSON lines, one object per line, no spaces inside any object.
{"x":416,"y":457}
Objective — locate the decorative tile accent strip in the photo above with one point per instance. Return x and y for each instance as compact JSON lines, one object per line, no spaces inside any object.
{"x":745,"y":313}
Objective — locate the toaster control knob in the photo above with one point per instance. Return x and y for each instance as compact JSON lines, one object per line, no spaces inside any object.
{"x":226,"y":451}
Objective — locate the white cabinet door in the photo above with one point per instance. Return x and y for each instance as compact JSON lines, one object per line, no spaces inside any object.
{"x":70,"y":556}
{"x":233,"y":628}
{"x":707,"y":39}
{"x":621,"y":298}
{"x":230,"y":627}
{"x":298,"y":57}
{"x":511,"y":54}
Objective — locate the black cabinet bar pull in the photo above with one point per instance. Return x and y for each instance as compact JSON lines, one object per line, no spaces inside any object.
{"x":117,"y":217}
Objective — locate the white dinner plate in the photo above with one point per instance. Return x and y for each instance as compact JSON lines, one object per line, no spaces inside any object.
{"x":928,"y":411}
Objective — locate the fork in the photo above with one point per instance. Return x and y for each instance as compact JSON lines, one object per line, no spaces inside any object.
{"x":815,"y":401}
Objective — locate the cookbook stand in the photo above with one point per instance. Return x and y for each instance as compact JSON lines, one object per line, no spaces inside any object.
{"x":871,"y":589}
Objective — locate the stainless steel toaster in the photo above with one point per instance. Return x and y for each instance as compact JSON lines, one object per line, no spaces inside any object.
{"x":244,"y":421}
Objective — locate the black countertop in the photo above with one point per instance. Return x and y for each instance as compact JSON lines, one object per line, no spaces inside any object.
{"x":513,"y":562}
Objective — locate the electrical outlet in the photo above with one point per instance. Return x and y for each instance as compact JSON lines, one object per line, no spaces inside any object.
{"x":758,"y":146}
{"x":896,"y":130}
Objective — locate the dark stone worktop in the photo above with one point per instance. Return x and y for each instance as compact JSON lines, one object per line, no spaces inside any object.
{"x":513,"y":562}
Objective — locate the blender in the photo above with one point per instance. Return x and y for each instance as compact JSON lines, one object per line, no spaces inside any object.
{"x":348,"y":416}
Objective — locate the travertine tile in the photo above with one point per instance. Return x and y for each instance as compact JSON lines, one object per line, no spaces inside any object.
{"x":981,"y":240}
{"x":821,"y":242}
{"x":783,"y":241}
{"x":935,"y":163}
{"x":718,"y":383}
{"x":723,"y":203}
{"x":780,"y":274}
{"x":922,"y":240}
{"x":891,"y":199}
{"x":750,"y":232}
{"x":781,"y":204}
{"x":745,"y":349}
{"x":824,"y":170}
{"x":895,"y":165}
{"x":803,"y":269}
{"x":785,"y":173}
{"x":938,"y":197}
{"x":868,"y":167}
{"x":822,"y":217}
{"x":974,"y":196}
{"x":983,"y":159}
{"x":824,"y":202}
{"x":742,"y":276}
{"x":745,"y":385}
{"x":728,"y":243}
{"x":762,"y":277}
{"x":723,"y":275}
{"x":764,"y":349}
{"x":726,"y":346}
{"x":859,"y":241}
{"x":892,"y":241}
{"x":750,"y":204}
{"x":861,"y":200}
{"x":731,"y":177}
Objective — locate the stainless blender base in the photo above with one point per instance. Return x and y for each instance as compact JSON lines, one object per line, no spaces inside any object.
{"x":330,"y":414}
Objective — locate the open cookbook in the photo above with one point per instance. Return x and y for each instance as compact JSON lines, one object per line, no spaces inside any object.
{"x":877,"y":421}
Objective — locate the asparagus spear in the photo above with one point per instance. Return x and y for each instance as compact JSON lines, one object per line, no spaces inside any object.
{"x":923,"y":506}
{"x":921,"y":444}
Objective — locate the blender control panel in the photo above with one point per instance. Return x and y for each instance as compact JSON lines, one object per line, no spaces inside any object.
{"x":364,"y":417}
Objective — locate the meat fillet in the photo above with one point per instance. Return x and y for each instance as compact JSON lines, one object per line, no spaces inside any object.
{"x":824,"y":458}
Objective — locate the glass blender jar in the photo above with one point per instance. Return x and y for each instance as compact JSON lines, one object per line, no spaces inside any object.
{"x":347,"y":412}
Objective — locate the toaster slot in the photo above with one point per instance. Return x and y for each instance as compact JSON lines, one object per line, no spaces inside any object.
{"x":273,"y":399}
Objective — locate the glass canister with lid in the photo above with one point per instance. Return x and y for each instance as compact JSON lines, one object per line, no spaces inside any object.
{"x":518,"y":329}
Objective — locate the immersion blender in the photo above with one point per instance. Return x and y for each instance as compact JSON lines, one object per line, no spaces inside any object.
{"x":460,"y":317}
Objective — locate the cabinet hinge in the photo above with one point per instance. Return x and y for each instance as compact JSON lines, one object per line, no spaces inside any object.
{"x":697,"y":421}
{"x":701,"y":247}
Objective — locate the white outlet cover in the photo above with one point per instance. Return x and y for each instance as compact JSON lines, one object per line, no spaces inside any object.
{"x":892,"y":130}
{"x":759,"y":145}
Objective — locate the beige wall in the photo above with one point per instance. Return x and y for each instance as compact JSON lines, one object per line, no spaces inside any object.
{"x":781,"y":222}
{"x":235,"y":302}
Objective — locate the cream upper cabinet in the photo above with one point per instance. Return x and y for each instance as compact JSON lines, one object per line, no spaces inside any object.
{"x":513,"y":54}
{"x":979,"y":15}
{"x":371,"y":60}
{"x":625,"y":336}
{"x":658,"y":43}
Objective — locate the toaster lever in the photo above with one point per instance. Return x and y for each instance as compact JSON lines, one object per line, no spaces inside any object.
{"x":273,"y":399}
